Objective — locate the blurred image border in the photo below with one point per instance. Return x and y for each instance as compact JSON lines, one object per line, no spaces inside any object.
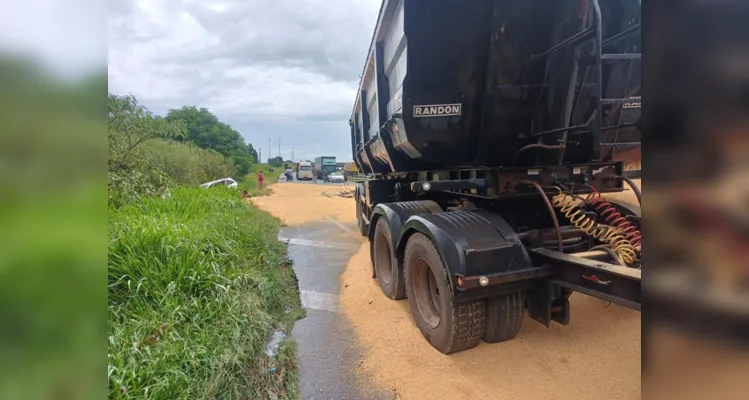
{"x":696,"y":158}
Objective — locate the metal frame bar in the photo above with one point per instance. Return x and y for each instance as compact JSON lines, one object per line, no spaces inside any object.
{"x":609,"y":282}
{"x":582,"y":35}
{"x":614,"y":283}
{"x":502,"y":278}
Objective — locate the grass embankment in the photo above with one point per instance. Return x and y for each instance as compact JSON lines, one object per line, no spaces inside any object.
{"x":270,"y":176}
{"x":196,"y":288}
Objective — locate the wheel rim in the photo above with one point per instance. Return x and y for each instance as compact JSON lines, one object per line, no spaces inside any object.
{"x":382,"y":257}
{"x":427,"y":293}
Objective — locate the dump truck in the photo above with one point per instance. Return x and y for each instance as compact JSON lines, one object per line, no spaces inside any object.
{"x":324,"y":166}
{"x":350,"y":168}
{"x":489,"y":132}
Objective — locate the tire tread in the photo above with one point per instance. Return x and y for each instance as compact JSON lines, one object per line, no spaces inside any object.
{"x":468,"y":322}
{"x":504,"y":317}
{"x":399,"y":291}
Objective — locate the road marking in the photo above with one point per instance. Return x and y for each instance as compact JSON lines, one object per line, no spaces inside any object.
{"x":313,"y":243}
{"x":319,"y":300}
{"x":338,"y":224}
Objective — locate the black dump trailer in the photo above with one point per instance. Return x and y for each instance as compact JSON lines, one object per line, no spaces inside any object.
{"x":488,"y":130}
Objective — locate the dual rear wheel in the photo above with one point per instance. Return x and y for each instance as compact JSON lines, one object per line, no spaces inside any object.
{"x":363,"y":228}
{"x":389,"y":275}
{"x":447,"y":324}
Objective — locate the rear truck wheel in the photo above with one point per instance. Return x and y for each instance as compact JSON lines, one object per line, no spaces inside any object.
{"x":447,"y":325}
{"x":389,"y":275}
{"x":360,"y":219}
{"x":504,"y":317}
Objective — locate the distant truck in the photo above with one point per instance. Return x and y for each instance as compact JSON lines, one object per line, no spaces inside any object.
{"x":324,"y":166}
{"x":349,"y":169}
{"x":304,"y":171}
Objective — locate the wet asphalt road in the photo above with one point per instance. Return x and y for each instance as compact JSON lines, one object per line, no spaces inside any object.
{"x":328,"y":352}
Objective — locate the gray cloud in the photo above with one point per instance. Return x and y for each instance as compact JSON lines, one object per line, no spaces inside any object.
{"x":323,"y":37}
{"x":286,"y":69}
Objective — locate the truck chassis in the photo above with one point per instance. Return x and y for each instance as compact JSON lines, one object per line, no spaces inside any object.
{"x":474,"y":250}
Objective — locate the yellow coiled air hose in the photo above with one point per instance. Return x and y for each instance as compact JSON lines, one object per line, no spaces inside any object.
{"x":570,"y":208}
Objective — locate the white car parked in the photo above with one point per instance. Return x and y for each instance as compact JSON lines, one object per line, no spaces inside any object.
{"x":228,"y":182}
{"x":336,"y":177}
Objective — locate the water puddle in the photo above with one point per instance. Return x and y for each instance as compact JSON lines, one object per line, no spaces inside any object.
{"x":275,"y":341}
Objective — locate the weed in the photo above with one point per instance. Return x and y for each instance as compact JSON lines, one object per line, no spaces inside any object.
{"x":195,"y":289}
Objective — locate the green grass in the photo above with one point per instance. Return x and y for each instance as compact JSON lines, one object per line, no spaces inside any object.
{"x":195,"y":290}
{"x":250,"y":183}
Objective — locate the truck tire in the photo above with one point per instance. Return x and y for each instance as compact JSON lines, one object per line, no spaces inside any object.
{"x":389,"y":273}
{"x":504,"y":317}
{"x":360,"y":220}
{"x":447,"y":325}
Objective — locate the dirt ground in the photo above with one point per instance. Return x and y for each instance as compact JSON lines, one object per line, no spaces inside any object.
{"x":297,"y":203}
{"x":596,"y":357}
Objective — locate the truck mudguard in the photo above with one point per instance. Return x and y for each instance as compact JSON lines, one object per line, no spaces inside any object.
{"x":471,"y":243}
{"x":396,"y":215}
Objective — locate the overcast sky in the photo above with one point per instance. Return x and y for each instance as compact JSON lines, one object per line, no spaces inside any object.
{"x":280,"y":69}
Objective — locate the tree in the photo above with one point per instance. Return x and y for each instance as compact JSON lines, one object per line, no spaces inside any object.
{"x":205,"y":130}
{"x":131,"y":173}
{"x":131,"y":124}
{"x":275,"y":161}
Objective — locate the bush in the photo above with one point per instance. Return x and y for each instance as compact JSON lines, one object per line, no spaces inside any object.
{"x":189,"y":164}
{"x":158,"y":164}
{"x":136,"y":178}
{"x":195,"y":290}
{"x":145,"y":157}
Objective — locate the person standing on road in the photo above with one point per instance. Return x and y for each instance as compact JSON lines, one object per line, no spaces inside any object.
{"x":260,"y":180}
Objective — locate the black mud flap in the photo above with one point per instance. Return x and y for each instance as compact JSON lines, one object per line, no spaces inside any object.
{"x":396,"y":215}
{"x":549,"y":302}
{"x":471,"y":243}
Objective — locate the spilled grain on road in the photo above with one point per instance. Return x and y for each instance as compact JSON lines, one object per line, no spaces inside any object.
{"x":596,"y":357}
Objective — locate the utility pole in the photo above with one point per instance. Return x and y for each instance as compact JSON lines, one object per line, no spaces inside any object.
{"x":279,"y":147}
{"x":292,"y":154}
{"x":269,"y":148}
{"x":260,"y":156}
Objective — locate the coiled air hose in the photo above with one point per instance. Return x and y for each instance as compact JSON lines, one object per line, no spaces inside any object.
{"x":615,"y":219}
{"x":570,"y":208}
